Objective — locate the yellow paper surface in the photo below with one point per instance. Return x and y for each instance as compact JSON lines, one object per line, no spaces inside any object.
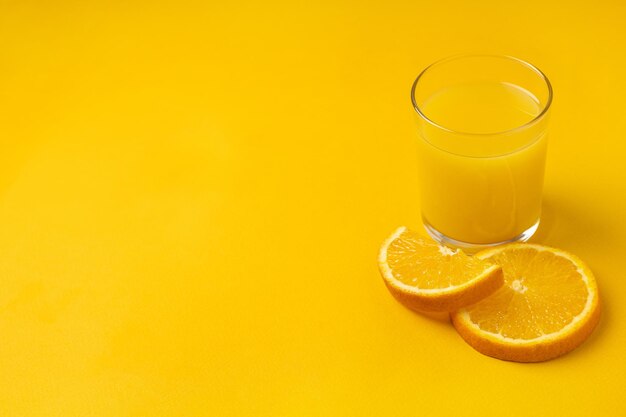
{"x":192,"y":196}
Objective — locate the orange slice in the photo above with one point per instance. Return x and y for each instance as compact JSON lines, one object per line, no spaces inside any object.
{"x":548,"y":306}
{"x":426,"y":276}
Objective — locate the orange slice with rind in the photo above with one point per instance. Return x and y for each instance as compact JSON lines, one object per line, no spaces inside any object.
{"x":548,"y":305}
{"x":426,"y":276}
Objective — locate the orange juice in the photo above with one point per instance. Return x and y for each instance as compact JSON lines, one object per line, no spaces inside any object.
{"x":481,"y":160}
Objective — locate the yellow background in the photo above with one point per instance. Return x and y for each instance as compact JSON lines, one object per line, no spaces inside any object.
{"x":192,"y":196}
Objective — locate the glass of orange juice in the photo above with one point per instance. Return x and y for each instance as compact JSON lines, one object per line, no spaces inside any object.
{"x":482,"y":123}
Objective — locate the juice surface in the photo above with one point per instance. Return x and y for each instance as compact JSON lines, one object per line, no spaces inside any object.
{"x":494,"y":194}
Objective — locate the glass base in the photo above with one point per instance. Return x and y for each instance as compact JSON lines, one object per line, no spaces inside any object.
{"x":475,"y":247}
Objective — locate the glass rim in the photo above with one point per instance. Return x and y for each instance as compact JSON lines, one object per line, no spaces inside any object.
{"x":531,"y":122}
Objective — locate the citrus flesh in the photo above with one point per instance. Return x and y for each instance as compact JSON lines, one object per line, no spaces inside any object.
{"x":426,"y":276}
{"x":547,"y":306}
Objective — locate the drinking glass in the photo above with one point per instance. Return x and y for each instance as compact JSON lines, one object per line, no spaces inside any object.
{"x":482,"y":126}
